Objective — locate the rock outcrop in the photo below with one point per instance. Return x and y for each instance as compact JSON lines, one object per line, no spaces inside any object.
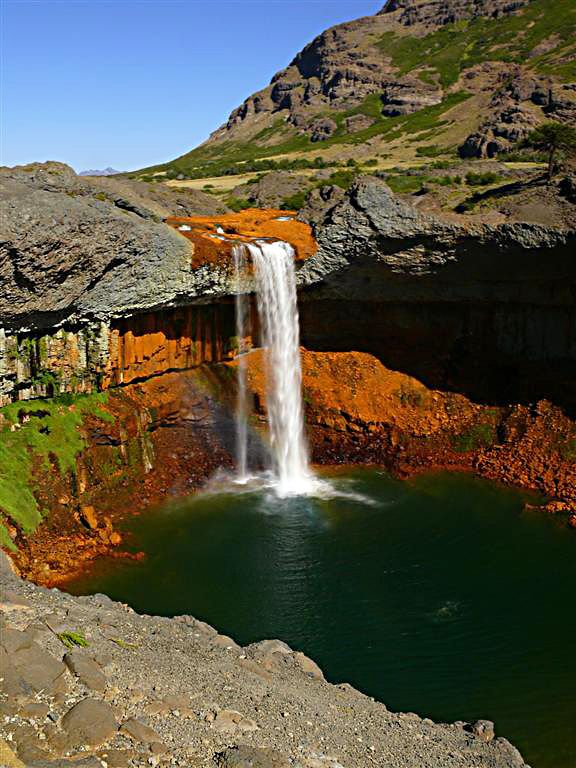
{"x":484,"y":310}
{"x":410,"y":12}
{"x":74,"y":251}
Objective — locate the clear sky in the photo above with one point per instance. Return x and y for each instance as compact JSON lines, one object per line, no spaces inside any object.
{"x":130,"y":83}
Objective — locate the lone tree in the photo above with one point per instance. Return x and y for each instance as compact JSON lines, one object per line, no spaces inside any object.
{"x":553,"y":138}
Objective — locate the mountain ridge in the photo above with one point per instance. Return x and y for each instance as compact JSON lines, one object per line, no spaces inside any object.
{"x":390,"y":83}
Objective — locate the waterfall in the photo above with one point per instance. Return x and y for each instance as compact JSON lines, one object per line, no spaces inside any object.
{"x":241,"y":306}
{"x":278,"y":310}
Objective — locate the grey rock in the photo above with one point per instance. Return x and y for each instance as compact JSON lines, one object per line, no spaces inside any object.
{"x":89,"y":723}
{"x":71,"y":251}
{"x":28,"y":668}
{"x":86,"y":670}
{"x":251,"y":757}
{"x":139,"y":731}
{"x":482,"y":729}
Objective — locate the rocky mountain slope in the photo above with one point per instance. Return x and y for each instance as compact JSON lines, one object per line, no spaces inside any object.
{"x":419,"y":78}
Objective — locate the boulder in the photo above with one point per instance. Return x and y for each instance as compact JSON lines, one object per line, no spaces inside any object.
{"x":86,"y":670}
{"x":138,"y":731}
{"x":322,"y":128}
{"x":482,"y":729}
{"x":230,"y":720}
{"x":27,"y":667}
{"x":89,"y":723}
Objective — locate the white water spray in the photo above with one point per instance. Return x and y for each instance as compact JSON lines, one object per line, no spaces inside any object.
{"x":278,"y":310}
{"x":241,"y":307}
{"x":290,"y":474}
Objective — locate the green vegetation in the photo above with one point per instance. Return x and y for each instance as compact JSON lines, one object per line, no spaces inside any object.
{"x":73,"y":639}
{"x":554,"y":139}
{"x":482,"y":179}
{"x":404,"y":184}
{"x":122,"y":643}
{"x":231,"y":158}
{"x":455,"y":47}
{"x":238,"y":203}
{"x":40,"y":433}
{"x":295,"y":201}
{"x":478,"y":436}
{"x":341,"y":178}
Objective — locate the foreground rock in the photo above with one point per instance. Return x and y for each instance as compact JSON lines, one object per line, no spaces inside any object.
{"x":176,"y":696}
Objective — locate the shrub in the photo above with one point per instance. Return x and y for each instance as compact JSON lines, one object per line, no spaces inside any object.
{"x":239,"y":203}
{"x":481,"y":179}
{"x":294,"y":202}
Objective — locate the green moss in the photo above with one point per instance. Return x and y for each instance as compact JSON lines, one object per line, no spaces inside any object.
{"x":479,"y":436}
{"x":5,"y":540}
{"x":45,"y":432}
{"x":43,"y":349}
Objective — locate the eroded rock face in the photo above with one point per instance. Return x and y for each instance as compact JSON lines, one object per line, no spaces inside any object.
{"x":70,"y":253}
{"x":490,"y":307}
{"x":410,"y":12}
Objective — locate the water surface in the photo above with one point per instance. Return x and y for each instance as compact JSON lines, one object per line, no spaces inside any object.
{"x":444,"y":596}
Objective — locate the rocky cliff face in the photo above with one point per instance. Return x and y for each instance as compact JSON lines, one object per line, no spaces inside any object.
{"x":437,"y":13}
{"x":74,"y":250}
{"x":488,"y":310}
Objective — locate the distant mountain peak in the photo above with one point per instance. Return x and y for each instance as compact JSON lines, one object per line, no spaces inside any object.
{"x":106,"y":172}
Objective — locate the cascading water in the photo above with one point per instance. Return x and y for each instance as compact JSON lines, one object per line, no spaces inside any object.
{"x":278,"y":310}
{"x":277,"y":306}
{"x":239,"y":255}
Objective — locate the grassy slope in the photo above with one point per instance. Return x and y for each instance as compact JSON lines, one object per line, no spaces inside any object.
{"x":441,"y":55}
{"x":50,"y":436}
{"x":235,"y":158}
{"x":457,"y":47}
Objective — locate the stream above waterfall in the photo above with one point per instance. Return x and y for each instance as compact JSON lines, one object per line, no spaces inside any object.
{"x":443,"y":595}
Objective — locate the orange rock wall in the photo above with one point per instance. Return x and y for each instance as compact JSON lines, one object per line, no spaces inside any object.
{"x":156,"y":342}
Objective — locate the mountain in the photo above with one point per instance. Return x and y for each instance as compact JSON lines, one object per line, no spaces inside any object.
{"x":419,"y":79}
{"x":105,"y":172}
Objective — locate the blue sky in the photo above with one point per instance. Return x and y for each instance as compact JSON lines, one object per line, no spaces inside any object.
{"x":130,"y":83}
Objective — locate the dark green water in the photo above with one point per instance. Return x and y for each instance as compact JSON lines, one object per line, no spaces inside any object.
{"x":444,"y":597}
